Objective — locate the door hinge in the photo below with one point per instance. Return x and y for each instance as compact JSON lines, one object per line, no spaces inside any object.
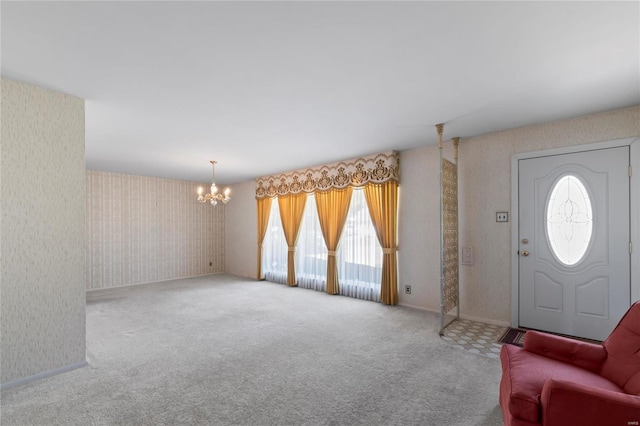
{"x":630,"y":247}
{"x":630,"y":171}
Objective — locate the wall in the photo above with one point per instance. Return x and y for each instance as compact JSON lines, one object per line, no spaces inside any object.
{"x":419,"y":226}
{"x":485,"y":188}
{"x":242,"y":231}
{"x":42,"y":295}
{"x":144,"y":229}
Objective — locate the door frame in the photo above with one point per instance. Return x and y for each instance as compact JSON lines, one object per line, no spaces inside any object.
{"x":634,"y":206}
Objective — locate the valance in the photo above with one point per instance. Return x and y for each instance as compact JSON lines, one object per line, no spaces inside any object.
{"x":377,"y":168}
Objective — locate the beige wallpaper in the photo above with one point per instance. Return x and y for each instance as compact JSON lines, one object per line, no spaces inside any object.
{"x":485,"y":188}
{"x":42,"y":294}
{"x":241,"y":227}
{"x":145,"y":229}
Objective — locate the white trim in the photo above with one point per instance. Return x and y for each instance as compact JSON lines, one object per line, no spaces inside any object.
{"x":635,"y":224}
{"x":420,"y":308}
{"x":485,"y":320}
{"x":465,"y":317}
{"x":107,"y":289}
{"x":25,"y":380}
{"x":634,"y":195}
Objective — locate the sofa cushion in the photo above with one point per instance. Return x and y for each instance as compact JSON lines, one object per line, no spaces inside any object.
{"x":623,"y":352}
{"x":524,"y":374}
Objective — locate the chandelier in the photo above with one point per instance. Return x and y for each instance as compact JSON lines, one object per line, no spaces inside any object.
{"x":213,"y":197}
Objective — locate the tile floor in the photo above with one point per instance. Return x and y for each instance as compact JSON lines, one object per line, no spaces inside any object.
{"x":475,"y":337}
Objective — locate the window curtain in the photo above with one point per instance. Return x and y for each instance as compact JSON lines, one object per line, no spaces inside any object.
{"x":264,"y":210}
{"x":311,"y":251}
{"x":291,"y":210}
{"x":275,"y":249}
{"x":332,"y":206}
{"x":360,"y":254}
{"x":382,"y":200}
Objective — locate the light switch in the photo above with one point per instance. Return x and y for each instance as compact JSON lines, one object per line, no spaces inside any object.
{"x":467,"y":256}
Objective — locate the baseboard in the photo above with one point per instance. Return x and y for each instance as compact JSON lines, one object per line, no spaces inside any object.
{"x":420,"y":308}
{"x":25,"y":380}
{"x":462,"y":316}
{"x":486,"y":320}
{"x":106,"y":289}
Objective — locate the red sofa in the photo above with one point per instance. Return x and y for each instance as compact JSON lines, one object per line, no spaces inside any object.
{"x":554,"y":380}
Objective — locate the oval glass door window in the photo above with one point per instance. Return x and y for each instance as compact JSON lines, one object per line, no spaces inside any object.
{"x":569,"y":220}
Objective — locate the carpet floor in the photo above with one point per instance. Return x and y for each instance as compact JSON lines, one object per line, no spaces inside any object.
{"x":221,"y":350}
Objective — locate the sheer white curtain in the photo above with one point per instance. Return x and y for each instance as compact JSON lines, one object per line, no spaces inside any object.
{"x":359,"y":253}
{"x":311,"y":254}
{"x":274,"y":248}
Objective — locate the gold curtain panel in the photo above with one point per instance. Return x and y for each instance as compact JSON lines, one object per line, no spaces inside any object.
{"x":264,"y":209}
{"x":380,"y":168}
{"x":332,"y":206}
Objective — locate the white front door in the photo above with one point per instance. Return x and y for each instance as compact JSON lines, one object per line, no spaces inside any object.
{"x":574,"y":262}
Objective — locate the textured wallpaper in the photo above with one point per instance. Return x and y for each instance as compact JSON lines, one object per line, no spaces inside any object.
{"x":241,"y":229}
{"x":42,"y":294}
{"x":145,"y":229}
{"x":485,"y":188}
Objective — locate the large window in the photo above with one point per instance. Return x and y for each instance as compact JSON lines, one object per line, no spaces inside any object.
{"x":359,"y":255}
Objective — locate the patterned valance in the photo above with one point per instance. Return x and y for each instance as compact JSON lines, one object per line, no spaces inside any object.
{"x":375,"y":168}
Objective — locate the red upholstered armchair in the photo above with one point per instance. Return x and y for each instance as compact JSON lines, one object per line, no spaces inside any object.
{"x":554,"y":380}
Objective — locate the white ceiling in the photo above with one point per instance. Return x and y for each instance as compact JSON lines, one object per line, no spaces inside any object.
{"x":267,"y":87}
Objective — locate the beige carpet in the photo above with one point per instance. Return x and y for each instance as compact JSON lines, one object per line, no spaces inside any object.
{"x":219,"y":350}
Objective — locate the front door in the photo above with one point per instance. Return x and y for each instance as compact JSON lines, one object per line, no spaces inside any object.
{"x":574,"y":261}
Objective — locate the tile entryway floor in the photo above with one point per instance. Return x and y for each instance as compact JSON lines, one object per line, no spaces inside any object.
{"x":475,"y":337}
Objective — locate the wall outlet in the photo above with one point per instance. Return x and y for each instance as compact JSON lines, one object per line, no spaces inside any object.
{"x":407,"y":289}
{"x":502,"y":217}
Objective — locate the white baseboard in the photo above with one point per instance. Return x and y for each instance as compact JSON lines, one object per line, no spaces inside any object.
{"x":421,"y":308}
{"x":462,"y":316}
{"x":106,"y":289}
{"x":486,"y":320}
{"x":24,"y":380}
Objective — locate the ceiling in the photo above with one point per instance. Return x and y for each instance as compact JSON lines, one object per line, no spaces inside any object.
{"x":267,"y":87}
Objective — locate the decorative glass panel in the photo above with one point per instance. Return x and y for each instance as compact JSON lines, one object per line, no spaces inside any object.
{"x":569,"y":220}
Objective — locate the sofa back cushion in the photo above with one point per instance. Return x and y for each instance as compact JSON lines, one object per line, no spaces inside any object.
{"x":622,"y":365}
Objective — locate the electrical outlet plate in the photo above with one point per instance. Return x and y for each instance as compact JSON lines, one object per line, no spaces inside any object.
{"x":407,"y":289}
{"x":502,"y":217}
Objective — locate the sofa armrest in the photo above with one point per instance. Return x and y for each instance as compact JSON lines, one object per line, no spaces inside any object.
{"x":568,"y":403}
{"x":570,"y":351}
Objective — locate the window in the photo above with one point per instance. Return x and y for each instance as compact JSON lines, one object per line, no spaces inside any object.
{"x":311,"y":254}
{"x":359,"y":255}
{"x":569,"y":220}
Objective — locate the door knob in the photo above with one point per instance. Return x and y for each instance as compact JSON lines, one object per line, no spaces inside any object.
{"x":524,"y":253}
